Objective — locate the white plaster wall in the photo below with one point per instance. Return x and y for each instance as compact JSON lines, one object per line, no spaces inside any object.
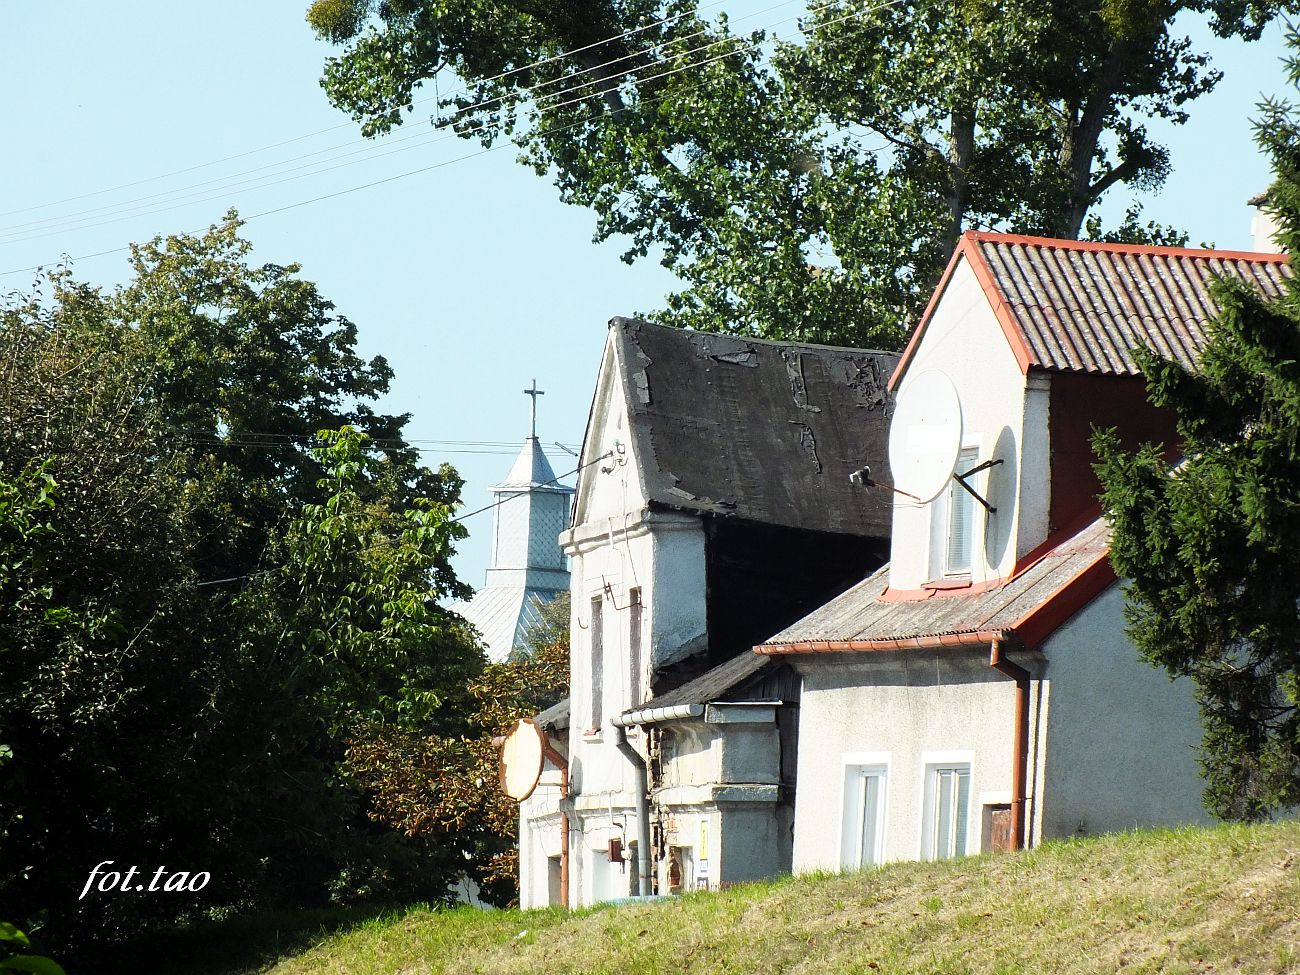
{"x":904,"y":709}
{"x":617,"y":544}
{"x":539,"y":839}
{"x":965,"y":341}
{"x":1122,"y":737}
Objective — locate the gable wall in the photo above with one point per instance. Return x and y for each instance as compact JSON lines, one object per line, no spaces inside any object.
{"x":1121,"y":738}
{"x":1005,"y":415}
{"x":617,"y":544}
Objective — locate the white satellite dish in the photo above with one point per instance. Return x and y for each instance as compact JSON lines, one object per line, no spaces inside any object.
{"x":522,"y":754}
{"x":925,"y":435}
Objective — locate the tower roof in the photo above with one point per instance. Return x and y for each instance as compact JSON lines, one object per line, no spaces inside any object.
{"x":531,"y":472}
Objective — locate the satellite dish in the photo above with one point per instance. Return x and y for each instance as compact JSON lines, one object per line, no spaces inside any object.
{"x":522,"y":755}
{"x":925,"y":435}
{"x":1001,"y":489}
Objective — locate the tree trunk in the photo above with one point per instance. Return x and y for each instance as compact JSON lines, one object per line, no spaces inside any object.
{"x":961,"y":148}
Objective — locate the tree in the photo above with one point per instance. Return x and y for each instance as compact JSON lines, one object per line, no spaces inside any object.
{"x":198,"y":605}
{"x":1209,"y":544}
{"x":808,"y":191}
{"x":445,"y":788}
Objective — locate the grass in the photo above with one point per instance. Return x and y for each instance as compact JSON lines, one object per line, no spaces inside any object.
{"x":1175,"y":901}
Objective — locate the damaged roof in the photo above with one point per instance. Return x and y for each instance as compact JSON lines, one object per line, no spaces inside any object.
{"x":1080,"y":306}
{"x":554,"y":718}
{"x":1054,"y":584}
{"x":763,"y":431}
{"x":709,"y":686}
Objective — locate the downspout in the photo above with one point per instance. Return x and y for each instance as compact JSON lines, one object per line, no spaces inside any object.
{"x":1020,"y":753}
{"x":561,"y":763}
{"x":642,"y":808}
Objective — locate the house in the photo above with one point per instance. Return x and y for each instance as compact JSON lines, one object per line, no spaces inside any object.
{"x":527,"y":569}
{"x":979,"y":692}
{"x":713,"y":507}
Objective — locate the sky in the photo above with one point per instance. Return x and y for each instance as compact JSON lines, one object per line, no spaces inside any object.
{"x":460,"y":266}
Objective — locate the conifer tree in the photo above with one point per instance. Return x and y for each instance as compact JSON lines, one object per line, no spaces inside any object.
{"x":1209,"y":543}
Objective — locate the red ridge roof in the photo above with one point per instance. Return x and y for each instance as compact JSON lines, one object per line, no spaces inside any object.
{"x":1083,"y":306}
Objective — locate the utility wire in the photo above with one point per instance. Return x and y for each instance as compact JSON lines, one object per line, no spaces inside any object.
{"x":111,"y":213}
{"x":123,"y":210}
{"x":743,"y":48}
{"x":366,"y":146}
{"x":452,"y":521}
{"x":333,"y":128}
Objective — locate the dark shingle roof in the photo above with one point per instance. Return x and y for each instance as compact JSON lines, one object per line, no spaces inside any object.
{"x":764,"y":431}
{"x":1028,"y":607}
{"x":710,"y":686}
{"x":1078,"y":306}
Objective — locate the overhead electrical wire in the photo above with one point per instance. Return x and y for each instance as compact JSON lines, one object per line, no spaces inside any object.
{"x":343,"y":125}
{"x":738,"y":49}
{"x":122,"y":210}
{"x":459,"y":518}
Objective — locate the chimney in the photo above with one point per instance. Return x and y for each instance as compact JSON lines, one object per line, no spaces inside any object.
{"x":1263,"y":228}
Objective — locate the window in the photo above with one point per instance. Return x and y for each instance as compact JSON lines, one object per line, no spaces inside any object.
{"x":597,"y":666}
{"x":863,"y":834}
{"x":961,"y":520}
{"x":948,"y":802}
{"x":634,"y":646}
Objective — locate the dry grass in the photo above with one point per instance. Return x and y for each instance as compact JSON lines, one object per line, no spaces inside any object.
{"x":1221,"y":900}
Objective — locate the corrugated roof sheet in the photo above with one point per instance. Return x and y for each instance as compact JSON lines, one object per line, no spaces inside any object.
{"x":554,"y":718}
{"x":860,"y":615}
{"x":1084,"y":307}
{"x":764,"y":431}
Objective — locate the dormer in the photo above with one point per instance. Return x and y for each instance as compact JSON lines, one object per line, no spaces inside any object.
{"x":1035,"y":338}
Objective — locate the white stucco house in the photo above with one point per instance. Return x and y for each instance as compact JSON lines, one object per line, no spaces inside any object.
{"x":978,"y":692}
{"x":713,"y":508}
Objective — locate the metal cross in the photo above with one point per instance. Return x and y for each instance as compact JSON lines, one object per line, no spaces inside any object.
{"x":534,"y":393}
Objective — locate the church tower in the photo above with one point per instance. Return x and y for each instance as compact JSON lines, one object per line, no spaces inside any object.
{"x":527,"y":568}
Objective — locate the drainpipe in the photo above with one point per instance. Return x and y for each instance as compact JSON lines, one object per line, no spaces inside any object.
{"x":1020,"y":754}
{"x":642,"y":808}
{"x":561,"y":763}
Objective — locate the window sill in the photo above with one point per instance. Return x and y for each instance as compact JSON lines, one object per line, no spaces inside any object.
{"x":593,"y":734}
{"x":950,"y":582}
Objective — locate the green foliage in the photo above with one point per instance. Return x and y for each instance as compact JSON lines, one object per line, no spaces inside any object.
{"x":806,"y":191}
{"x":1209,"y":544}
{"x":446,"y":788}
{"x":198,"y":606}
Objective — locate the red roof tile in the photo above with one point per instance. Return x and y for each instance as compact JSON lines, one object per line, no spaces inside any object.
{"x":1077,"y":306}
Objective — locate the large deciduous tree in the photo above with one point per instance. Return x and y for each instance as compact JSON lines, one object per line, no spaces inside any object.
{"x":1210,"y":543}
{"x":808,"y":190}
{"x":200,"y":603}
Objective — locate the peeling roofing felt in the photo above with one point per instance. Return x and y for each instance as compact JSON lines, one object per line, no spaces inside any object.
{"x":1083,"y":307}
{"x":1028,"y":607}
{"x":764,"y":431}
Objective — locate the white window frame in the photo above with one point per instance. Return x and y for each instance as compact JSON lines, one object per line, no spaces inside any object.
{"x":854,"y":766}
{"x":932,"y":764}
{"x":960,"y":499}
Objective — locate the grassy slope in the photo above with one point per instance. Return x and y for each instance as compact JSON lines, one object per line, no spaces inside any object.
{"x":1226,"y":899}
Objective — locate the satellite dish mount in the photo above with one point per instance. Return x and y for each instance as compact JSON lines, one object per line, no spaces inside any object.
{"x":961,"y":479}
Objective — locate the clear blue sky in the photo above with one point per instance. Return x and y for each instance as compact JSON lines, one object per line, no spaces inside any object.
{"x":471,"y":277}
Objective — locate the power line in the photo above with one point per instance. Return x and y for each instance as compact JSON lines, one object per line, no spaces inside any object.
{"x":742,"y":48}
{"x":333,"y":128}
{"x":123,"y":210}
{"x":390,"y":542}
